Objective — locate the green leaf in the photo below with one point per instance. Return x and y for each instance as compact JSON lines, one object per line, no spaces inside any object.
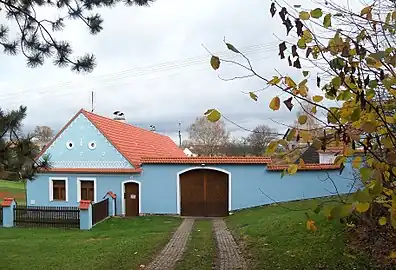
{"x":275,"y":103}
{"x":362,"y":196}
{"x":232,"y":48}
{"x":336,"y":81}
{"x":213,"y":115}
{"x":304,"y":15}
{"x":307,"y":36}
{"x":327,"y":21}
{"x":382,"y":221}
{"x":317,"y":98}
{"x":274,"y":81}
{"x":316,"y":13}
{"x":253,"y":96}
{"x":290,"y":136}
{"x":302,"y":119}
{"x":292,"y":169}
{"x":378,"y":55}
{"x":270,"y":149}
{"x":215,"y":62}
{"x":373,"y":84}
{"x":317,"y":143}
{"x":305,"y":73}
{"x":341,"y":211}
{"x":318,"y":208}
{"x":283,"y":173}
{"x":365,"y":173}
{"x":372,"y":62}
{"x":301,"y":43}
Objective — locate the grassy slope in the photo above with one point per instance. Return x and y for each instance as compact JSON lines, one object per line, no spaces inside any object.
{"x":200,"y":248}
{"x":114,"y":244}
{"x":12,"y":189}
{"x":277,"y":238}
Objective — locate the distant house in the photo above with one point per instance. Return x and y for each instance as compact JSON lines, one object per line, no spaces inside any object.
{"x":188,"y":153}
{"x":150,"y":174}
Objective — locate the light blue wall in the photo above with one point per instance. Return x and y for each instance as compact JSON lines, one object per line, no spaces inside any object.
{"x":81,"y":132}
{"x":249,"y":182}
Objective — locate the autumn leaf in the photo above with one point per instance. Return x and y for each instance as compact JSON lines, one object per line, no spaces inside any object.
{"x":275,"y":103}
{"x":288,"y":103}
{"x":365,"y":10}
{"x":382,"y":221}
{"x":311,"y":225}
{"x":327,"y":21}
{"x":289,"y":82}
{"x":274,"y":81}
{"x":213,"y":115}
{"x":368,"y":127}
{"x":292,"y":169}
{"x":253,"y":96}
{"x":304,"y":15}
{"x":362,"y":207}
{"x":302,"y":119}
{"x":372,"y":62}
{"x":317,"y":98}
{"x":215,"y":62}
{"x":357,"y":161}
{"x":232,"y":48}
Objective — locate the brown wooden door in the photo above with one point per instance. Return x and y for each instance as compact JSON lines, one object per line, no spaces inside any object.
{"x":131,"y":197}
{"x":216,"y":193}
{"x":204,"y":193}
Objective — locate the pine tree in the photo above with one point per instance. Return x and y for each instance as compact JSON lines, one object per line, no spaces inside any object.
{"x":17,"y":152}
{"x":36,"y":40}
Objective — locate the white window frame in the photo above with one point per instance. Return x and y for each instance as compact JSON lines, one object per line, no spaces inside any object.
{"x":51,"y":188}
{"x":79,"y":180}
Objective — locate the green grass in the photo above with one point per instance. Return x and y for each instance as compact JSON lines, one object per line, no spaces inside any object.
{"x":13,"y":189}
{"x":113,"y":244}
{"x":200,"y":251}
{"x":276,"y":238}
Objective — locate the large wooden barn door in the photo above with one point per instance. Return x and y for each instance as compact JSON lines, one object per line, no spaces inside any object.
{"x":204,"y":193}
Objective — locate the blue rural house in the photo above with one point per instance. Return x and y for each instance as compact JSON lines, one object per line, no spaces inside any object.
{"x":149,"y":174}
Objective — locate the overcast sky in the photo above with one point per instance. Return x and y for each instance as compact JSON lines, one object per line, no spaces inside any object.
{"x":153,"y":67}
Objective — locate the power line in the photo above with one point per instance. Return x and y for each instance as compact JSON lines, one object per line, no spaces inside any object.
{"x":166,"y":66}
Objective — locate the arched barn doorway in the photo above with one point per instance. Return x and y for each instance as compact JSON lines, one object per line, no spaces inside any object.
{"x":204,"y":192}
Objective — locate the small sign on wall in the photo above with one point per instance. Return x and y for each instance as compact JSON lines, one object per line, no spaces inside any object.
{"x":133,"y":196}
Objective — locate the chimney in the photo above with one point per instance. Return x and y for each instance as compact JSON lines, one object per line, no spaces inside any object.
{"x":119,"y":116}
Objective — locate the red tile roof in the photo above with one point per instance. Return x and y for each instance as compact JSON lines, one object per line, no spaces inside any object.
{"x":92,"y":170}
{"x":132,"y":142}
{"x":7,"y":202}
{"x":206,"y":160}
{"x":306,"y":167}
{"x":84,"y":204}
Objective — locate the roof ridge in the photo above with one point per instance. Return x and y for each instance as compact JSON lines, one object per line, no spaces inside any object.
{"x":85,"y":112}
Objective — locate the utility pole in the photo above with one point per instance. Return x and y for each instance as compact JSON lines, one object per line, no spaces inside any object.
{"x":92,"y":101}
{"x":180,"y":136}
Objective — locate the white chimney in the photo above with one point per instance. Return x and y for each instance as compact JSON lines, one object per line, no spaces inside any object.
{"x":119,"y":116}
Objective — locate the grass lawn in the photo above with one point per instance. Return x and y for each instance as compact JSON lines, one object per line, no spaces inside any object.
{"x":13,"y":189}
{"x":113,"y":244}
{"x":276,"y":238}
{"x":200,"y":250}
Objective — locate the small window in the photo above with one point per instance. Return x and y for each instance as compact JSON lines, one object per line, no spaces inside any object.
{"x":92,"y":145}
{"x":70,"y":145}
{"x":87,"y":190}
{"x":59,"y":190}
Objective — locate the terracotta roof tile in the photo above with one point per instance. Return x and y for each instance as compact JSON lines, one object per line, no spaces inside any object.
{"x":132,"y":142}
{"x":84,"y":204}
{"x":92,"y":170}
{"x":306,"y":167}
{"x":206,"y":160}
{"x":111,"y":194}
{"x":7,"y":202}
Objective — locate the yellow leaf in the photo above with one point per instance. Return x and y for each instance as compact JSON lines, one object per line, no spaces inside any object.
{"x":213,"y":115}
{"x":307,"y":36}
{"x":305,"y":135}
{"x":215,"y":62}
{"x":394,"y":15}
{"x":304,"y":15}
{"x":292,"y":169}
{"x":393,"y":211}
{"x":289,"y":82}
{"x":392,"y":255}
{"x":368,"y":127}
{"x":317,"y":98}
{"x":302,"y":119}
{"x":356,"y":162}
{"x":301,"y":162}
{"x":303,"y":90}
{"x":274,"y":81}
{"x":313,"y":110}
{"x":382,"y":221}
{"x":275,"y":104}
{"x":390,"y":119}
{"x":362,"y":207}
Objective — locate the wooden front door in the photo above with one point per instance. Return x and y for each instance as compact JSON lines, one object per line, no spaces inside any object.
{"x":204,"y":193}
{"x":131,"y":197}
